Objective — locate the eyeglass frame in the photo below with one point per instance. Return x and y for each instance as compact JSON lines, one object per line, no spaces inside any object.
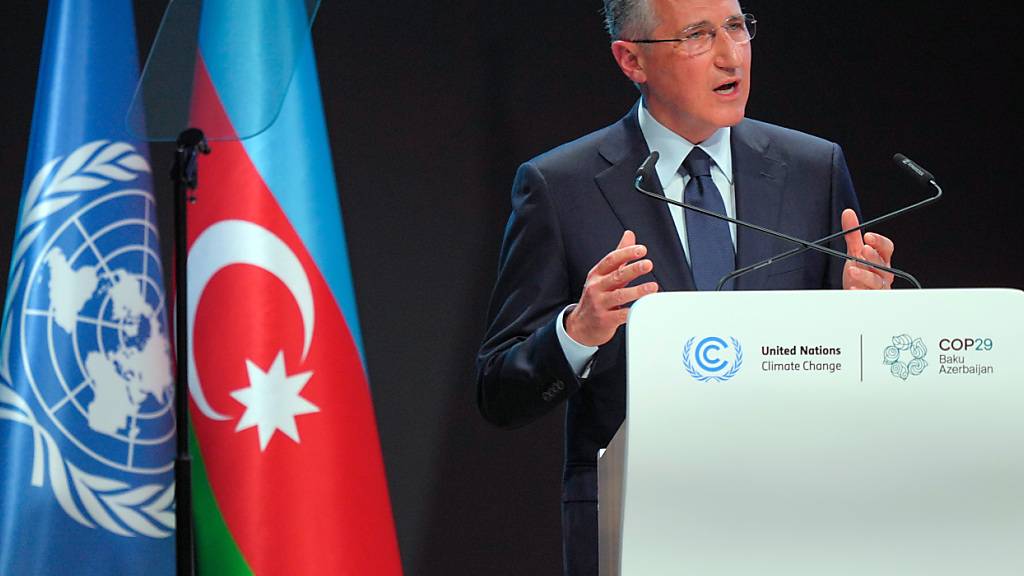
{"x":748,"y":20}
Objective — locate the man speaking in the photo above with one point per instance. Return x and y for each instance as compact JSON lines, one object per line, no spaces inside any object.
{"x":581,"y":244}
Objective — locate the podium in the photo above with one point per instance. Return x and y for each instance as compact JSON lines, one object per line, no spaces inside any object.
{"x":819,"y":432}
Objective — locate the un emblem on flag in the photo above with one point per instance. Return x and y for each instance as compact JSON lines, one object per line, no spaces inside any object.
{"x":86,"y":333}
{"x":94,"y":345}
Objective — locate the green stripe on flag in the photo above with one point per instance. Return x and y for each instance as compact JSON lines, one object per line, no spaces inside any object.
{"x":216,"y":551}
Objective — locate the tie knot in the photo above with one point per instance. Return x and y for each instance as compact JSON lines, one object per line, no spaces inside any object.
{"x":697,"y":163}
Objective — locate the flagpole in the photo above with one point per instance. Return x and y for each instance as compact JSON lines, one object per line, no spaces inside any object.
{"x":185,"y":175}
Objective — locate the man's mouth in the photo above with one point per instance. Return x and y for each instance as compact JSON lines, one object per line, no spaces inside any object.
{"x":726,"y":89}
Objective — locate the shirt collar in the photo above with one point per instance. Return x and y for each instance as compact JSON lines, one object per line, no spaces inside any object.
{"x":673,"y":148}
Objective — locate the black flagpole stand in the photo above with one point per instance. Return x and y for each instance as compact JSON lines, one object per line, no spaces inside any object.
{"x":184,"y":174}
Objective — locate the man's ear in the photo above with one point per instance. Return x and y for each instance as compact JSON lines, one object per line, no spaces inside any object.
{"x":630,"y":59}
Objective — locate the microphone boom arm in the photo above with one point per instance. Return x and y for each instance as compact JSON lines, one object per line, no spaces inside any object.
{"x":648,"y":165}
{"x":863,"y":225}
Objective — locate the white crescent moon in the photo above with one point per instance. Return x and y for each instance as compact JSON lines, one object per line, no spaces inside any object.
{"x":232,"y":242}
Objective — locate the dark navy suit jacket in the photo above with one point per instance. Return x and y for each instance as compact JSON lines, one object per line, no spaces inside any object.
{"x":570,"y":207}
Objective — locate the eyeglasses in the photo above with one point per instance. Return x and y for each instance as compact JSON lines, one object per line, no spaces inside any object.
{"x":699,"y":38}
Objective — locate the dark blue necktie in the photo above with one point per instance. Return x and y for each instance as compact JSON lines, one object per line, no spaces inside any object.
{"x":711,"y":252}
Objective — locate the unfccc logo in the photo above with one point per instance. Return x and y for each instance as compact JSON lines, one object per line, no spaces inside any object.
{"x":713,"y":359}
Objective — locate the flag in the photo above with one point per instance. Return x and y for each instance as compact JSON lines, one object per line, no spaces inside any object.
{"x":87,"y":431}
{"x":288,"y":474}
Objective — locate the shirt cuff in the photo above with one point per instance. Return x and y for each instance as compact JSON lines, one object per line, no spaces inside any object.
{"x":578,"y":355}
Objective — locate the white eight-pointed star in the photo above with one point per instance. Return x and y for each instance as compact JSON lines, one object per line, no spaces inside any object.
{"x":272,"y":401}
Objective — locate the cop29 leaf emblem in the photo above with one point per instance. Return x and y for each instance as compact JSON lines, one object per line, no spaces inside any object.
{"x":905,"y":356}
{"x":85,"y":355}
{"x":712,"y":359}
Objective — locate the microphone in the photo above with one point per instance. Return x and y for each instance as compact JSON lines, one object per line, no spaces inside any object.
{"x":920,"y":174}
{"x":646,"y":171}
{"x":912,"y":168}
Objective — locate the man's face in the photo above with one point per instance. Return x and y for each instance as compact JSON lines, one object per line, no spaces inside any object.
{"x":695,"y":95}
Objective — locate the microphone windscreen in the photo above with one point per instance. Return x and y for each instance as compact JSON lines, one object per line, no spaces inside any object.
{"x":648,"y":165}
{"x":912,"y":168}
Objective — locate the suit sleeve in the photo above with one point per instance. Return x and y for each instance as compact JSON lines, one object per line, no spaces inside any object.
{"x":521,"y":370}
{"x":843,"y":197}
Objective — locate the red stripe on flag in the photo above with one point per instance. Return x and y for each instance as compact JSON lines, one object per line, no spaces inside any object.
{"x":319,"y":505}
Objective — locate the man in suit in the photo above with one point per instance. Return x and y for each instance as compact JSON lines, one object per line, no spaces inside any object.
{"x":581,"y":244}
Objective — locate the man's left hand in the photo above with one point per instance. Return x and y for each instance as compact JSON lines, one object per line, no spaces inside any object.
{"x":871,"y":247}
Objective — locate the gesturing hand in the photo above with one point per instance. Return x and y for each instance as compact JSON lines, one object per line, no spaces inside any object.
{"x":602,"y":306}
{"x":873,"y":248}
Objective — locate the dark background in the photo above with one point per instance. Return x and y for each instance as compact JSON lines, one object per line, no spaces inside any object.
{"x":431,"y":106}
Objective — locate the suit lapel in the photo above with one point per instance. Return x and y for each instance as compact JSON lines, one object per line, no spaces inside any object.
{"x":625,"y":148}
{"x":759,"y":179}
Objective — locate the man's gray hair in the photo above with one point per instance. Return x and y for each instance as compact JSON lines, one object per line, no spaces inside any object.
{"x":625,"y":19}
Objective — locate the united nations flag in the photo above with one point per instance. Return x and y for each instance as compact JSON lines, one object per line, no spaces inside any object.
{"x":86,"y":388}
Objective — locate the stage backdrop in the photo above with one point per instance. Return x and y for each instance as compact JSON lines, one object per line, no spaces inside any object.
{"x":431,"y":106}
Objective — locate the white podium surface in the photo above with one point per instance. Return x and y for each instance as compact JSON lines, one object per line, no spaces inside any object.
{"x":821,"y":433}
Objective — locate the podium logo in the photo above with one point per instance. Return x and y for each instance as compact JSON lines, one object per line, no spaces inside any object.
{"x":905,"y":356}
{"x":712,"y":359}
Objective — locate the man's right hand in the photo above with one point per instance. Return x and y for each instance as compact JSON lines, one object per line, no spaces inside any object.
{"x":603,"y":306}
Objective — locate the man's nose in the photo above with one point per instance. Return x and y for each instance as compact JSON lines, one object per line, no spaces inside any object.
{"x":728,"y":53}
